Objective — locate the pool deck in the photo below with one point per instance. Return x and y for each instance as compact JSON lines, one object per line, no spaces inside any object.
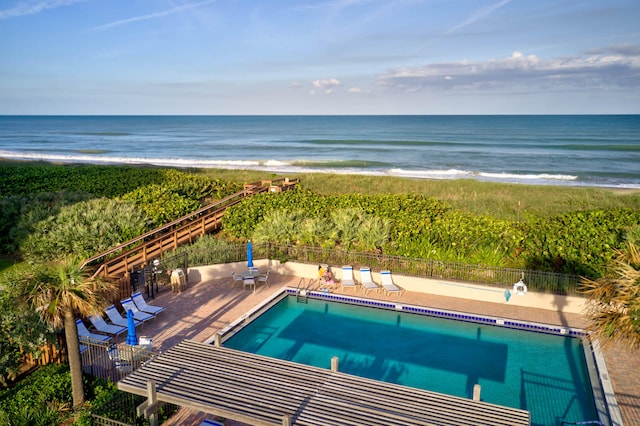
{"x":206,"y":307}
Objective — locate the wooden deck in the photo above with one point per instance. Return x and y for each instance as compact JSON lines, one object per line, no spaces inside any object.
{"x":262,"y":391}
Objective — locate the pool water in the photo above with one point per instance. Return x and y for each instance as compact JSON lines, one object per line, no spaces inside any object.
{"x":544,"y":374}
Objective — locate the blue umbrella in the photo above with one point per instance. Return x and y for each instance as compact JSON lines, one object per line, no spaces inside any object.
{"x":132,"y":338}
{"x":249,"y":255}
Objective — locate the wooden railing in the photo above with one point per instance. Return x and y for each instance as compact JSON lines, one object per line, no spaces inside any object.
{"x":115,"y":262}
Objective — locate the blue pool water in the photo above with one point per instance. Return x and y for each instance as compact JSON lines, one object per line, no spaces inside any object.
{"x":544,"y":374}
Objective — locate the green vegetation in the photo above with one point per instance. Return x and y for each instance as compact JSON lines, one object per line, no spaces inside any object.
{"x":49,"y":212}
{"x":578,"y":242}
{"x":499,"y":200}
{"x":614,"y":300}
{"x":42,"y":398}
{"x":59,"y":293}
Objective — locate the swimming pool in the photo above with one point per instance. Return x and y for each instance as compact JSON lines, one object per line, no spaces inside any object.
{"x":542,"y":373}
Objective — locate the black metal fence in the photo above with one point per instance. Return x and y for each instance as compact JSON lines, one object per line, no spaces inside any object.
{"x":548,"y":282}
{"x":114,"y":362}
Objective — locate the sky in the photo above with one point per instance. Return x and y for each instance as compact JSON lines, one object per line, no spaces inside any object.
{"x":273,"y":57}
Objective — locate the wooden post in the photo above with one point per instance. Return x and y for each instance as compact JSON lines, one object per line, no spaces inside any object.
{"x":216,"y":340}
{"x":476,"y":392}
{"x":334,"y":363}
{"x":149,"y":408}
{"x":286,"y":420}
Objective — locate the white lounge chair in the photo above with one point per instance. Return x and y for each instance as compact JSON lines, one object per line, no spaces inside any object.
{"x":347,"y":278}
{"x":86,"y":336}
{"x":143,"y":306}
{"x":117,"y":319}
{"x":388,"y":285}
{"x":367,"y":281}
{"x":128,"y":305}
{"x":101,"y":325}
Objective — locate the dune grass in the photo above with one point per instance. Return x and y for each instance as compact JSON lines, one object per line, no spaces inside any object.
{"x":501,"y":200}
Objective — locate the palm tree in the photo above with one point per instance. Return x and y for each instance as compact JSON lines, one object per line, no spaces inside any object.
{"x":60,"y":292}
{"x":614,"y":301}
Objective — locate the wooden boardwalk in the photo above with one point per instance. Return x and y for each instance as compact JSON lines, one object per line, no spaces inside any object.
{"x":259,"y":391}
{"x":117,"y":261}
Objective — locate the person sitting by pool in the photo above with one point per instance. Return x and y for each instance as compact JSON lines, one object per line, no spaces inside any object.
{"x":326,"y":277}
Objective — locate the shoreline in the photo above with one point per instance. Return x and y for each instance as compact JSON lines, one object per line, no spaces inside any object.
{"x":542,"y":180}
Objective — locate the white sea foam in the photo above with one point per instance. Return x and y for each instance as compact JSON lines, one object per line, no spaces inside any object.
{"x":297,"y":166}
{"x":542,"y":176}
{"x":431,"y":174}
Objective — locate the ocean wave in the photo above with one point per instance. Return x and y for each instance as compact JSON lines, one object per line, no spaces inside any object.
{"x":168,"y":162}
{"x":340,"y":163}
{"x":541,"y":176}
{"x":431,"y":174}
{"x":354,"y":167}
{"x":369,"y":142}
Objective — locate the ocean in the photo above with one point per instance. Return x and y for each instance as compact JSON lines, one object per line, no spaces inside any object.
{"x":574,"y":150}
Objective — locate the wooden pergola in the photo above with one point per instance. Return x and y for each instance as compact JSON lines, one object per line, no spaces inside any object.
{"x":257,"y":390}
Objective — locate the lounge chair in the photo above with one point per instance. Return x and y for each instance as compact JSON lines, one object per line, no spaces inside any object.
{"x":347,"y":278}
{"x":86,"y":336}
{"x":143,"y":306}
{"x":128,"y":305}
{"x":208,"y":422}
{"x":367,"y":281}
{"x":388,"y":285}
{"x":117,"y":319}
{"x":101,"y":325}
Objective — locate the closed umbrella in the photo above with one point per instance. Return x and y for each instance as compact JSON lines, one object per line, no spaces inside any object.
{"x":132,"y":338}
{"x":249,"y":255}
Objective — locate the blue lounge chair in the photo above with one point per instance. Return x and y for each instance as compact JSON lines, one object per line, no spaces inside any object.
{"x":117,"y":319}
{"x":101,"y":325}
{"x":86,"y":336}
{"x":128,"y":305}
{"x":143,"y":306}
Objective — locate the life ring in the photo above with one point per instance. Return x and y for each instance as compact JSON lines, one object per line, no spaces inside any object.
{"x":520,"y":288}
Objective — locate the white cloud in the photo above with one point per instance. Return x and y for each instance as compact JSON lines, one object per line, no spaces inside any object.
{"x":606,"y":68}
{"x":326,"y":83}
{"x":358,"y":90}
{"x":295,"y":85}
{"x":161,"y":14}
{"x":23,"y":8}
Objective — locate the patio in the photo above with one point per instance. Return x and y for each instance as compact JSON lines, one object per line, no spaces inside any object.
{"x":208,"y":306}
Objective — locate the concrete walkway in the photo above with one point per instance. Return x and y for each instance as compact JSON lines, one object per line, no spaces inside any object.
{"x":206,"y":307}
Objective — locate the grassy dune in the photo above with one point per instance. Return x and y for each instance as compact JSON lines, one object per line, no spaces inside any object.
{"x":512,"y":201}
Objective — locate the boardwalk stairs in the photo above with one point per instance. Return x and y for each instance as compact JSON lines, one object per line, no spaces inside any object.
{"x":140,"y":251}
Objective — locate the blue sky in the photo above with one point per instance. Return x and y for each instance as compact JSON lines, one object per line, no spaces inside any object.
{"x":319,"y":57}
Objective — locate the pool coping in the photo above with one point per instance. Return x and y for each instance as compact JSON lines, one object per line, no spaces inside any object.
{"x":604,"y":397}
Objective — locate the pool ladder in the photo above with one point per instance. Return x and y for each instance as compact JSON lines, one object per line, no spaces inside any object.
{"x":302,"y":291}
